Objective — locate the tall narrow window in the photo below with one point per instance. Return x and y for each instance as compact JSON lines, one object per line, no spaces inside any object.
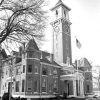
{"x":36,"y":69}
{"x":50,"y":87}
{"x":16,"y":71}
{"x":56,"y":12}
{"x":23,"y":68}
{"x":29,"y":68}
{"x":55,"y":86}
{"x":17,"y":86}
{"x":23,"y":85}
{"x":35,"y":86}
{"x":44,"y":85}
{"x":29,"y":85}
{"x":64,"y":13}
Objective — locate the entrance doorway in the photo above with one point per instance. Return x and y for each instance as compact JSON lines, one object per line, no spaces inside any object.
{"x":69,"y":87}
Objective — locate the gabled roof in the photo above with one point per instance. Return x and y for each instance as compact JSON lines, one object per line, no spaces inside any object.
{"x":54,"y":63}
{"x":45,"y":60}
{"x":84,"y":62}
{"x":48,"y":58}
{"x":60,"y":3}
{"x":32,"y":45}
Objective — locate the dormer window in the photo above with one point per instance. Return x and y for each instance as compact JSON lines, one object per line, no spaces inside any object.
{"x":56,"y":12}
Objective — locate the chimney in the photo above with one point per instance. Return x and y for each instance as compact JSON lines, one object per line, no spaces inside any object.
{"x":51,"y":57}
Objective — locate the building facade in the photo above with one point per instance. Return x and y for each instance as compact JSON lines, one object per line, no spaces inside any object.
{"x":31,"y":73}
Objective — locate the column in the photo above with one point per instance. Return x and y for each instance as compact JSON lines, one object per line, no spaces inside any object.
{"x":81,"y":88}
{"x":74,"y":87}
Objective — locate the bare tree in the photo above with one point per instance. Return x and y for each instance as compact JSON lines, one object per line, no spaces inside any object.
{"x":21,"y":20}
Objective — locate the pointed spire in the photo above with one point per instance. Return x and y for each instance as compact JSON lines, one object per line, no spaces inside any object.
{"x":59,"y":3}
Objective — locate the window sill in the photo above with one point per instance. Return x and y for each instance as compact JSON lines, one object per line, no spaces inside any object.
{"x":36,"y":73}
{"x":29,"y":73}
{"x":44,"y":92}
{"x":35,"y":92}
{"x":45,"y":75}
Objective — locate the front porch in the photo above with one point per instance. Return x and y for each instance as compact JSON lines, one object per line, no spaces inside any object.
{"x":73,"y":85}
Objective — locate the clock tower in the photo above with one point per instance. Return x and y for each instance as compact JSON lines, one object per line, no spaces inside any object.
{"x":61,"y":33}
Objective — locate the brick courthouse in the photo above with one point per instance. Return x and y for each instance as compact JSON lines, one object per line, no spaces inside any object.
{"x":32,"y":73}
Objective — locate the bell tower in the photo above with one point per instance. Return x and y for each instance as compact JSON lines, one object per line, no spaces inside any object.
{"x":61,"y":33}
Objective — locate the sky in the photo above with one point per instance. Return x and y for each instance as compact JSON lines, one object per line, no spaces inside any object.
{"x":85,"y":19}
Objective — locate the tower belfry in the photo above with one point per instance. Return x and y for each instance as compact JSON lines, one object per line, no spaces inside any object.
{"x":61,"y":33}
